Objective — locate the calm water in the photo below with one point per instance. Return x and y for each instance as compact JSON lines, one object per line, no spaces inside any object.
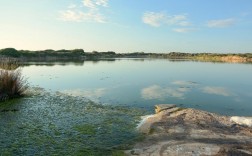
{"x":217,"y":87}
{"x":92,"y":108}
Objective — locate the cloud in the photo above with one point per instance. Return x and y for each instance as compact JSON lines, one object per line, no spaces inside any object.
{"x":180,"y":20}
{"x":153,"y":19}
{"x":157,"y":19}
{"x":221,"y":23}
{"x":79,"y":16}
{"x":94,"y":4}
{"x":183,"y":30}
{"x":89,"y":3}
{"x":70,"y":15}
{"x":217,"y":91}
{"x":157,"y":92}
{"x":92,"y":12}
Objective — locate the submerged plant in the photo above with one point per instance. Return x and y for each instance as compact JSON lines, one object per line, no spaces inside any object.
{"x":12,"y":84}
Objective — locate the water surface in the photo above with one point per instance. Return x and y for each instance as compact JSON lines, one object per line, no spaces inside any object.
{"x":217,"y":87}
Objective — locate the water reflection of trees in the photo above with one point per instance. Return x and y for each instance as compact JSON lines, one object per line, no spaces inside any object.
{"x":65,"y":63}
{"x":9,"y":65}
{"x":53,"y":63}
{"x":14,"y":64}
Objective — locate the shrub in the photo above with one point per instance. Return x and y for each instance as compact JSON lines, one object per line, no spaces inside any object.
{"x":10,"y":52}
{"x":12,"y":84}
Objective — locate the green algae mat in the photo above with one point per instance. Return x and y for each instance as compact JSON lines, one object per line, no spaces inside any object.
{"x":49,"y":123}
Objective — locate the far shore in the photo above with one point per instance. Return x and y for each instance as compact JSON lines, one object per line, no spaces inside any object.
{"x":81,"y":55}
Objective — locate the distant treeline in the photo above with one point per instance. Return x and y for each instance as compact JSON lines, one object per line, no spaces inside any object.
{"x":26,"y":54}
{"x":80,"y":54}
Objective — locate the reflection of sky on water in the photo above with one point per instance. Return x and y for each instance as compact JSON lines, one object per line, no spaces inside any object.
{"x":184,"y":83}
{"x":92,"y":94}
{"x":211,"y":86}
{"x":216,"y":91}
{"x":157,"y":92}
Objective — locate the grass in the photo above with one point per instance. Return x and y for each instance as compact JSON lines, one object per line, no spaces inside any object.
{"x":12,"y":84}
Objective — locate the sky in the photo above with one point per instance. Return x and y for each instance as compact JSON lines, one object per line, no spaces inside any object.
{"x":159,"y":26}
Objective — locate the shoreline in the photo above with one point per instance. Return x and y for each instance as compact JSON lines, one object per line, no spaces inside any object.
{"x":81,"y":55}
{"x":186,"y":131}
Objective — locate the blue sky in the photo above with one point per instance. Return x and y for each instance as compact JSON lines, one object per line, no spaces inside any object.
{"x":128,"y":25}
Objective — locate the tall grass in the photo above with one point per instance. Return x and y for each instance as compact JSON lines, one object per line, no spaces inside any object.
{"x":12,"y":84}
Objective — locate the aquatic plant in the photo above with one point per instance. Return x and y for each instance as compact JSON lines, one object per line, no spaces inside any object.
{"x":53,"y":123}
{"x":12,"y":84}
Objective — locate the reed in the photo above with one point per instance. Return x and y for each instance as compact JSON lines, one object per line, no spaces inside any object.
{"x":12,"y":84}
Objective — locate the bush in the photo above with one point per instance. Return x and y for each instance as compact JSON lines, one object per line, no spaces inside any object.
{"x":12,"y":84}
{"x":10,"y":52}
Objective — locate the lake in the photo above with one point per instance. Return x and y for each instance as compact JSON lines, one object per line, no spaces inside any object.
{"x":217,"y":87}
{"x":93,"y":107}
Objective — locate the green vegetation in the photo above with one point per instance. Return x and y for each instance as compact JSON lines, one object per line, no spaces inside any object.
{"x":10,"y":52}
{"x":48,"y":54}
{"x":79,"y":54}
{"x":53,"y":123}
{"x":86,"y":129}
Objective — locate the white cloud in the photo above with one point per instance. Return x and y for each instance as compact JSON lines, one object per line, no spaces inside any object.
{"x":156,"y":19}
{"x":153,"y":19}
{"x":70,"y":15}
{"x":182,"y":30}
{"x":157,"y":92}
{"x":94,"y":4}
{"x":103,"y":3}
{"x":93,"y":12}
{"x":88,"y":3}
{"x":180,"y":20}
{"x":221,"y":23}
{"x":217,"y":91}
{"x":79,"y":16}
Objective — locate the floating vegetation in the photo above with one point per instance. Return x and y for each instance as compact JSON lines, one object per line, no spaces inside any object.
{"x":57,"y":124}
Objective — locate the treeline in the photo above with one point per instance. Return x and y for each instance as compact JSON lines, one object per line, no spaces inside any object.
{"x":81,"y":55}
{"x":195,"y":55}
{"x":26,"y":54}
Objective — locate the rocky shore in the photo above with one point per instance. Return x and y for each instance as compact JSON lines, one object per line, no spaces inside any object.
{"x":175,"y":131}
